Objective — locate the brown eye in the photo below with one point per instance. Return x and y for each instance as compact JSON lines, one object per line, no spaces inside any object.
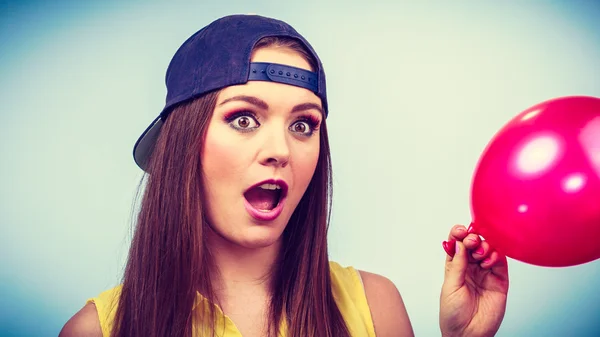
{"x":300,"y":127}
{"x":243,"y":122}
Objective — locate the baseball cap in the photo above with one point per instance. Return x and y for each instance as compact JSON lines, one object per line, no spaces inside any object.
{"x":218,"y":56}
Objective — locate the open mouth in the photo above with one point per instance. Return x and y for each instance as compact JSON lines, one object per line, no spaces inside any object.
{"x":265,"y":200}
{"x":264,"y":197}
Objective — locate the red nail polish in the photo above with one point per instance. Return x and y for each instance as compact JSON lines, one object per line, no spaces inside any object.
{"x":449,"y":247}
{"x":479,"y":250}
{"x":470,"y":229}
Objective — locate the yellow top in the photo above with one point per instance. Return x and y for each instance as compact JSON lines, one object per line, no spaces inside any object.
{"x":348,"y":292}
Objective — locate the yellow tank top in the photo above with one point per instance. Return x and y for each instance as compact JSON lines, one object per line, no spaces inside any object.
{"x":348,"y":292}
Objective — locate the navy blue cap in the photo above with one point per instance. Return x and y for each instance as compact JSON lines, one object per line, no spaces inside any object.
{"x":218,"y":56}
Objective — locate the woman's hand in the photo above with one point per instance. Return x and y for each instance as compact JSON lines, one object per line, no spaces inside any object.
{"x":473,"y":297}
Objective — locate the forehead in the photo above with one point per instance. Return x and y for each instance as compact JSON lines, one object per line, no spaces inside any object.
{"x":281,"y":55}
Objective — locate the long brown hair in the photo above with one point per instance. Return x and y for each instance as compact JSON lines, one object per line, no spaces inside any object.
{"x":169,"y":262}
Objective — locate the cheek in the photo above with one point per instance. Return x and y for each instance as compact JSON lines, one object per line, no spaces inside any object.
{"x":221,"y":162}
{"x":306,"y":163}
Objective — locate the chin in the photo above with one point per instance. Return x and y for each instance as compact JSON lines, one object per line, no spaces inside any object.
{"x":260,"y":237}
{"x":249,"y":233}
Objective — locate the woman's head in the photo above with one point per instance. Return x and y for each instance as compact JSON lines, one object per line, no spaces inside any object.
{"x":260,"y":139}
{"x":248,"y":161}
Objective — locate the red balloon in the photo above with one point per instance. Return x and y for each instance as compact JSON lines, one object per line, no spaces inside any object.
{"x":535,"y":194}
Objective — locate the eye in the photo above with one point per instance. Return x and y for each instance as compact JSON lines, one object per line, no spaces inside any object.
{"x":301,"y":127}
{"x":243,"y":121}
{"x":305,"y":126}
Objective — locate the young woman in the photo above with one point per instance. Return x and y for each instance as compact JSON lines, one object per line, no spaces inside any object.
{"x":231,"y":238}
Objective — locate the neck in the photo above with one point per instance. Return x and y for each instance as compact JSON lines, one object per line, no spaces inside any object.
{"x":241,"y":269}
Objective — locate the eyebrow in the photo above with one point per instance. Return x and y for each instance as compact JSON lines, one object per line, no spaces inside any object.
{"x":308,"y":106}
{"x":249,"y":99}
{"x":263,"y":105}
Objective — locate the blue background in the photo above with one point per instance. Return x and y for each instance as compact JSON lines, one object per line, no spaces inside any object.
{"x":416,"y":92}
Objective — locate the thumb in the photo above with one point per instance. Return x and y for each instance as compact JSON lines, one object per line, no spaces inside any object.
{"x":456,"y":267}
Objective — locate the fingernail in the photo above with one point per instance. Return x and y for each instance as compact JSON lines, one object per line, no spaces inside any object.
{"x":479,"y":250}
{"x":488,"y":260}
{"x":457,"y":248}
{"x":449,"y":247}
{"x":470,"y":229}
{"x":474,"y":241}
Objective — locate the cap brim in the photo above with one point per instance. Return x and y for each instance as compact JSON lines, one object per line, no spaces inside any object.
{"x":145,"y":144}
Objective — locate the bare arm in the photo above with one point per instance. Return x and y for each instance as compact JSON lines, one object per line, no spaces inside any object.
{"x":84,"y":323}
{"x":389,"y":314}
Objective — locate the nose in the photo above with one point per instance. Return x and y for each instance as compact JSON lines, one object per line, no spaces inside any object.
{"x":275,"y":150}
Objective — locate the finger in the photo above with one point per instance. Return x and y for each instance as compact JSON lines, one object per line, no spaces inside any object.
{"x":500,"y":267}
{"x":456,"y":268}
{"x":491,"y":261}
{"x":449,"y":247}
{"x":472,"y":241}
{"x":482,"y":251}
{"x":458,"y":232}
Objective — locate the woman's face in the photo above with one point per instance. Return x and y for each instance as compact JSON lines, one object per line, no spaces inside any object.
{"x":259,"y":155}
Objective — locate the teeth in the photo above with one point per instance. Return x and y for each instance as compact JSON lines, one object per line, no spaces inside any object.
{"x":270,"y":187}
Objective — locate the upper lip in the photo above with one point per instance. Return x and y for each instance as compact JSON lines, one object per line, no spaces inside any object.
{"x":280,"y":182}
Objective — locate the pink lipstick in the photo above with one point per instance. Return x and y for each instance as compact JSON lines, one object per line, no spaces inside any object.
{"x":264,"y":201}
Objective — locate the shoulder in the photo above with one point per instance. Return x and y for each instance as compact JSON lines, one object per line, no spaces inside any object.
{"x":84,"y":323}
{"x":96,"y":317}
{"x":388,"y":311}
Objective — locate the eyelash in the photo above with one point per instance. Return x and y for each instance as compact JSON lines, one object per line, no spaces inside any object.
{"x":312,"y":121}
{"x":229,"y":118}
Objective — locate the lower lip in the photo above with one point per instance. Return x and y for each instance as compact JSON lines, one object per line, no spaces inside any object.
{"x":265,"y":216}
